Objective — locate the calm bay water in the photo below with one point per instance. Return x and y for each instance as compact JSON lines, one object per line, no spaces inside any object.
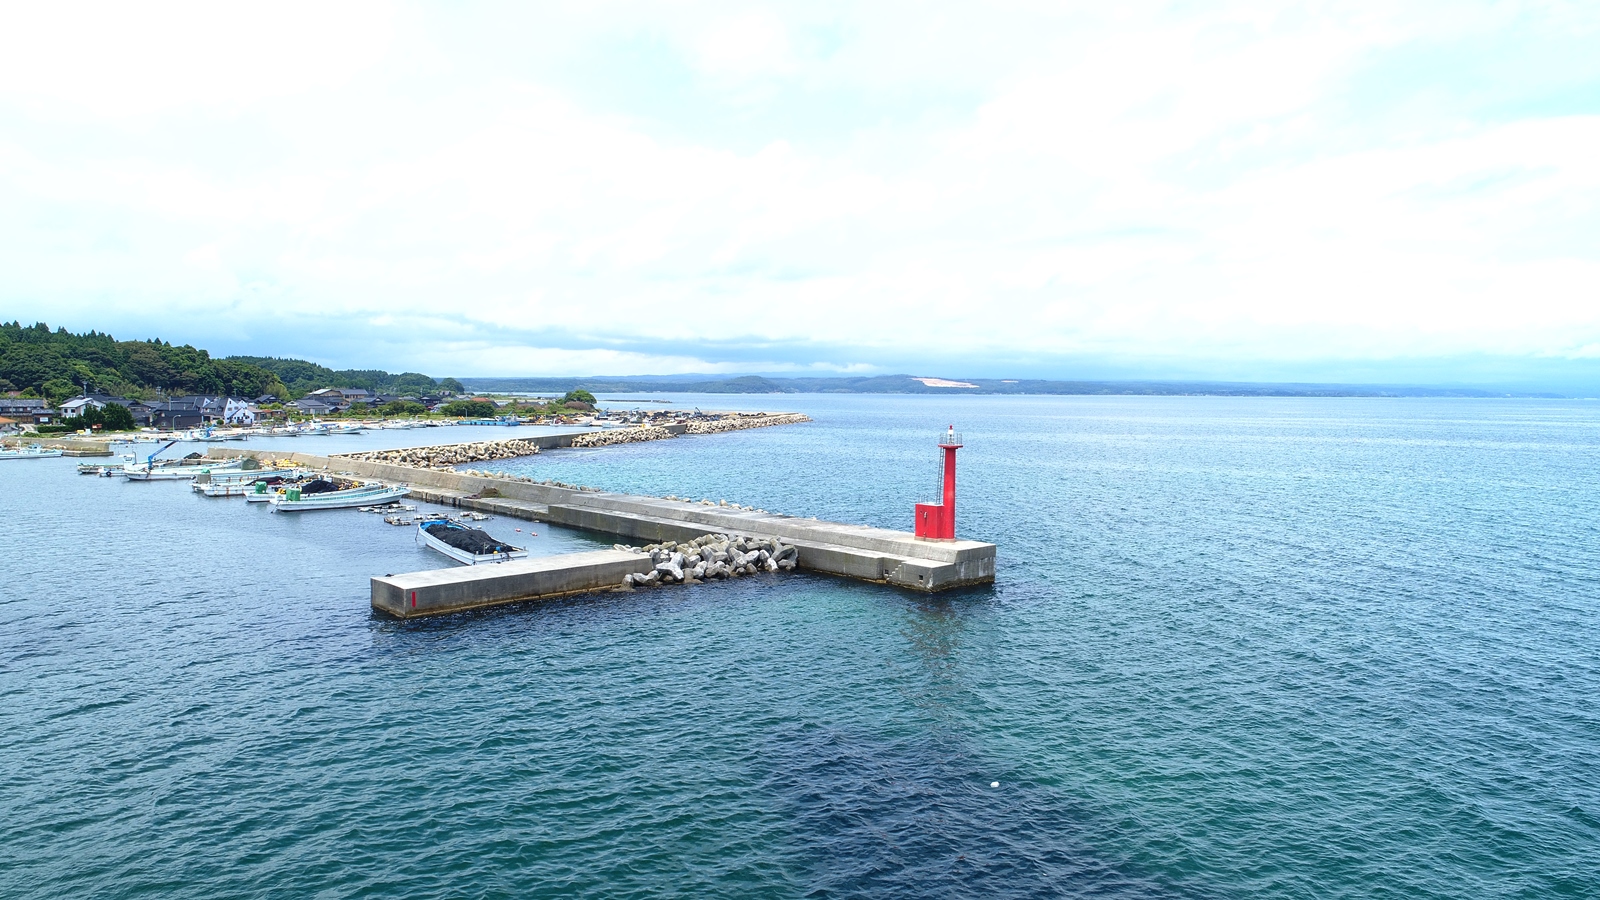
{"x":1238,"y":647}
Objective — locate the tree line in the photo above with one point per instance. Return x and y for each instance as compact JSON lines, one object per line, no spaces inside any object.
{"x":56,"y":365}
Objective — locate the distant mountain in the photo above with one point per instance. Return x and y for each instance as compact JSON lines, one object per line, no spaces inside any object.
{"x":909,"y":384}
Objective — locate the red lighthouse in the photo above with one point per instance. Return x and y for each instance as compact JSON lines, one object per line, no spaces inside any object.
{"x":937,"y":521}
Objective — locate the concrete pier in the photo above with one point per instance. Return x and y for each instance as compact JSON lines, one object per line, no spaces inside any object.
{"x":853,"y":551}
{"x":473,"y":587}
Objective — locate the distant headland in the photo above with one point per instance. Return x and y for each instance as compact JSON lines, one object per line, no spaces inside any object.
{"x":923,"y":384}
{"x":37,"y":361}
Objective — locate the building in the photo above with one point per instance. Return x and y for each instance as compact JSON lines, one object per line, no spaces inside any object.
{"x":27,"y":410}
{"x":310,"y":406}
{"x":77,"y":405}
{"x":178,"y":413}
{"x":340,"y":399}
{"x":238,"y":412}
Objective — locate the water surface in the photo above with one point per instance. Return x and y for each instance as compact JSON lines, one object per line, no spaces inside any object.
{"x":1238,"y":647}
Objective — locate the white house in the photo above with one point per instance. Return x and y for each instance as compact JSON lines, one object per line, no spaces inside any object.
{"x":239,"y":412}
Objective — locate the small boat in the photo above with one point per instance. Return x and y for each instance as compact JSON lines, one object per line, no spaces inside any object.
{"x":158,"y":472}
{"x":104,"y":468}
{"x":33,"y":452}
{"x":295,"y":499}
{"x":464,"y":544}
{"x":241,"y":483}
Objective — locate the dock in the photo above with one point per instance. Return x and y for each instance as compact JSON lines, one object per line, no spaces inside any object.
{"x":862,"y":552}
{"x":473,"y":587}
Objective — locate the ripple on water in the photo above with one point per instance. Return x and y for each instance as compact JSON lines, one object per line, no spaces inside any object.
{"x":1254,"y":647}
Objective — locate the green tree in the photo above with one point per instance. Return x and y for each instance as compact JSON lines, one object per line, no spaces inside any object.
{"x":58,"y":390}
{"x":116,"y":417}
{"x":580,"y":395}
{"x":470,"y":409}
{"x":403,"y":408}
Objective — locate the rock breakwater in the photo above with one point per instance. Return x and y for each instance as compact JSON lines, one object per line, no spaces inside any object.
{"x":613,"y":436}
{"x":741,"y":421}
{"x":711,"y":557}
{"x":448,"y":456}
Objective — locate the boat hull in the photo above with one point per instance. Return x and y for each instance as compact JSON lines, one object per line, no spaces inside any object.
{"x":175,"y":473}
{"x":29,"y":454}
{"x":339,"y":499}
{"x":462,"y":556}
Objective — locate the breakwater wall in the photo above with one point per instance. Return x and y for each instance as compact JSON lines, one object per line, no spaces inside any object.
{"x":448,"y":456}
{"x":613,"y":436}
{"x":835,"y":548}
{"x":439,"y":591}
{"x":708,"y":557}
{"x":741,"y":421}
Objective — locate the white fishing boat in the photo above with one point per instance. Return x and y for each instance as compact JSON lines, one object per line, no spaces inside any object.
{"x":464,"y":544}
{"x":239,"y":483}
{"x":33,"y":452}
{"x":148,"y":472}
{"x":296,"y":500}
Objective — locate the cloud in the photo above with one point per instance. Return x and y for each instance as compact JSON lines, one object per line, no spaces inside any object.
{"x":1056,"y":183}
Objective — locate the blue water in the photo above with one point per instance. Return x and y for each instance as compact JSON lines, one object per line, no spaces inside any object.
{"x":1237,"y":647}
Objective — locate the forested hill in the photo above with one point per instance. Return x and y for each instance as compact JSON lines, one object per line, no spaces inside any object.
{"x":56,"y":364}
{"x":299,"y":377}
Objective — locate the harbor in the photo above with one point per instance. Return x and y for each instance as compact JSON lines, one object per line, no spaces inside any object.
{"x":443,"y":474}
{"x":885,"y":556}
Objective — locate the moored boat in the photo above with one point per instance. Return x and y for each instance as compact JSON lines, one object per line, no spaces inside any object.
{"x":33,"y":452}
{"x":296,"y":499}
{"x":104,"y":468}
{"x":156,"y":472}
{"x":241,"y":483}
{"x":464,"y":544}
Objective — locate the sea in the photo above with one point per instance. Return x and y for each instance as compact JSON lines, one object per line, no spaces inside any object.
{"x":1236,"y":647}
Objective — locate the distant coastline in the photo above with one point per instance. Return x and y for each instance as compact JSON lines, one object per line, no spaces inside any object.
{"x":920,"y":384}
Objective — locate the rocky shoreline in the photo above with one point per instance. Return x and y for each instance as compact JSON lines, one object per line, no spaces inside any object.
{"x":711,"y":557}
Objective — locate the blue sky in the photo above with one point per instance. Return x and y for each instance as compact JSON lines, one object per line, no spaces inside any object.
{"x":1349,"y":192}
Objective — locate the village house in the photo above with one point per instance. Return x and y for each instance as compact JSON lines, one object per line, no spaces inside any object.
{"x":77,"y":405}
{"x":27,"y":410}
{"x":310,"y":406}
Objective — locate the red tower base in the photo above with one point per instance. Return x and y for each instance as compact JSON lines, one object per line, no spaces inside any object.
{"x":933,"y":524}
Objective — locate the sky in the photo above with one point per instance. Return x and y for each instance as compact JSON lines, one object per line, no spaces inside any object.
{"x":1383,"y":191}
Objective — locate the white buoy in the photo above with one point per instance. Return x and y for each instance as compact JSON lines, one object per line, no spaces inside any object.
{"x":994,"y":784}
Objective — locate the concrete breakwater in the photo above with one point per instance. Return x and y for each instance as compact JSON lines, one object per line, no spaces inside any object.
{"x":448,"y":456}
{"x":711,"y":556}
{"x":690,"y":561}
{"x":854,"y":551}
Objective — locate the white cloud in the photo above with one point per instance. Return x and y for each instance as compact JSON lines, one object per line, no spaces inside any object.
{"x":1120,"y":180}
